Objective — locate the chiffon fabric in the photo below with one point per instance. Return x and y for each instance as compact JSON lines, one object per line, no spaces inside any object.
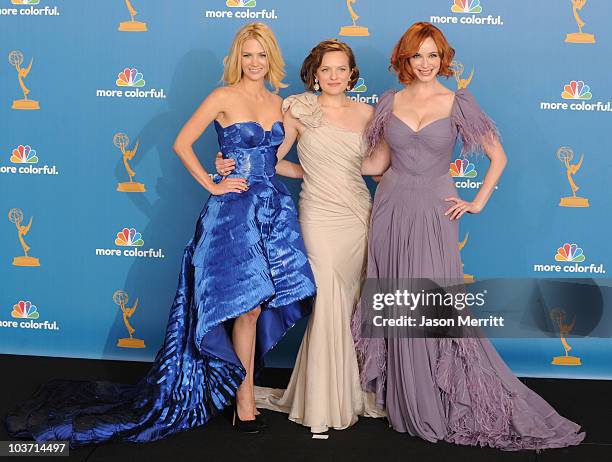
{"x":247,"y":251}
{"x":453,"y":389}
{"x":324,"y":390}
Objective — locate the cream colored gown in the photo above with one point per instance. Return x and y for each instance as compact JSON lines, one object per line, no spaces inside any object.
{"x":334,"y":209}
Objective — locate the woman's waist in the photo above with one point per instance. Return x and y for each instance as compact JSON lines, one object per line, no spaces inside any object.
{"x":334,"y":214}
{"x":259,"y":185}
{"x":252,"y":177}
{"x":253,"y":162}
{"x":340,"y":195}
{"x":323,"y":206}
{"x":325,"y":187}
{"x":431,"y":179}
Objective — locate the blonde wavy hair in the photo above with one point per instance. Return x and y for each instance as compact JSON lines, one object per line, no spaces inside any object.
{"x":232,"y":66}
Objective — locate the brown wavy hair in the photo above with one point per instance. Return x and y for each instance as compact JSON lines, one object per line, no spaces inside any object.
{"x":409,"y":44}
{"x":315,"y":57}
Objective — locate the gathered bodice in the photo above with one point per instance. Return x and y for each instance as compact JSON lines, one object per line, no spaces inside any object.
{"x":331,"y":158}
{"x":426,"y":153}
{"x":251,"y":147}
{"x":254,"y":150}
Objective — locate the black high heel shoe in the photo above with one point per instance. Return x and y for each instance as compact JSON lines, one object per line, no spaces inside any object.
{"x":261,"y":421}
{"x":244,"y":426}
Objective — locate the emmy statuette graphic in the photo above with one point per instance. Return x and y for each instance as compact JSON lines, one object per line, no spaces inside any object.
{"x":467,"y":278}
{"x":354,"y":30}
{"x":15,"y":58}
{"x":565,"y":154}
{"x":132,"y":25}
{"x":121,"y":299}
{"x":458,"y":69}
{"x":15,"y":216}
{"x":579,"y":37}
{"x":122,"y":141}
{"x":558,"y":317}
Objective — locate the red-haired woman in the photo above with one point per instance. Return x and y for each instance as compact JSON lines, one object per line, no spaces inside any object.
{"x":436,"y":387}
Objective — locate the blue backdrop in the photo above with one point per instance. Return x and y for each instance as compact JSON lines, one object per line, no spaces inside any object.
{"x":60,"y":167}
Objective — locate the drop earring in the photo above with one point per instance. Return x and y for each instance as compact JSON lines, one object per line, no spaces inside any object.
{"x":316,"y":85}
{"x":348,"y":87}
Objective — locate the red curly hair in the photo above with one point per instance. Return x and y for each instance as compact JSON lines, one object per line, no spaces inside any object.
{"x":409,"y":45}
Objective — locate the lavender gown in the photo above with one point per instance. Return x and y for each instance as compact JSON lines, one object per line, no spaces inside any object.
{"x":457,"y":390}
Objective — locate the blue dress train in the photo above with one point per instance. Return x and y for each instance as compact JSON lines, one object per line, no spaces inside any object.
{"x":247,"y":251}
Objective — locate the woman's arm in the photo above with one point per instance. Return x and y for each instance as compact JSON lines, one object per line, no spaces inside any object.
{"x":183,"y":145}
{"x":284,"y":167}
{"x":378,"y":162}
{"x":497,"y":157}
{"x":289,"y":169}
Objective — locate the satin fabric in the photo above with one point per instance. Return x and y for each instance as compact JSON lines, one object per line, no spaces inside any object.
{"x":324,"y":390}
{"x":247,"y":251}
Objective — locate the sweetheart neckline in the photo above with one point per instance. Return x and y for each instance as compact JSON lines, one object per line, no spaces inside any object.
{"x":423,"y":127}
{"x":251,"y":122}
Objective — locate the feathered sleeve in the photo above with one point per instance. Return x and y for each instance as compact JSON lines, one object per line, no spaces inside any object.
{"x":305,"y":108}
{"x":375,"y":130}
{"x":473,"y":124}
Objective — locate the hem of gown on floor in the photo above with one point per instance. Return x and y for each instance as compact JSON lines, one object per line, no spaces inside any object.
{"x":267,"y":398}
{"x":188,"y":383}
{"x":454,"y":389}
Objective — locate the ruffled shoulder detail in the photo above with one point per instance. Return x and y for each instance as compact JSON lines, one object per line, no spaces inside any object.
{"x":305,"y":108}
{"x":375,"y":130}
{"x":473,"y":124}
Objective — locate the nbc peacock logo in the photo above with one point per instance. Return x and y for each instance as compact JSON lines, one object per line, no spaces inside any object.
{"x":240,"y":9}
{"x":464,"y":171}
{"x":570,"y":252}
{"x":130,"y":78}
{"x":25,"y":316}
{"x":466,"y":6}
{"x":570,"y":258}
{"x":462,"y":168}
{"x":129,"y":243}
{"x":23,"y":160}
{"x":241,"y":3}
{"x":576,"y":96}
{"x":359,"y":86}
{"x":359,"y":93}
{"x":129,"y":238}
{"x":577,"y":89}
{"x":129,"y":83}
{"x":25,"y":310}
{"x":467,"y":12}
{"x":24,"y":155}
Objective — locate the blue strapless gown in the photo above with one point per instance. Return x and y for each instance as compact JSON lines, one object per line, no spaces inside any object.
{"x":247,"y":251}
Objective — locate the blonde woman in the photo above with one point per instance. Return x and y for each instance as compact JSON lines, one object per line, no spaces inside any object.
{"x":242,"y":279}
